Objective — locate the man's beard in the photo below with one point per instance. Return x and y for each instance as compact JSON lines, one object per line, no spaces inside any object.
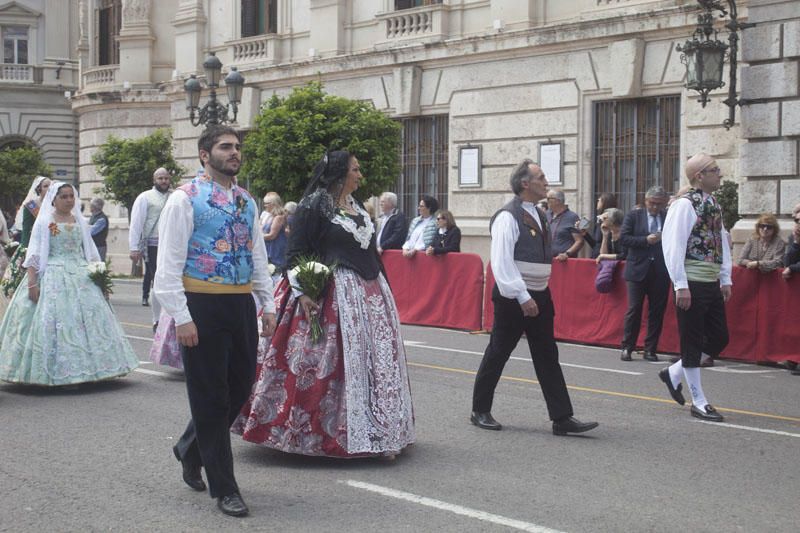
{"x":162,"y":188}
{"x":218,"y":164}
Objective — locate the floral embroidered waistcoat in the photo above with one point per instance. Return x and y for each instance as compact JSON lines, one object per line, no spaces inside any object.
{"x":220,"y":249}
{"x":705,"y":241}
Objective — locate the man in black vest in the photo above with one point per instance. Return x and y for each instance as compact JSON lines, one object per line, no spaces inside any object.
{"x":645,"y":273}
{"x":521,"y":262}
{"x":392,"y":233}
{"x":99,"y":226}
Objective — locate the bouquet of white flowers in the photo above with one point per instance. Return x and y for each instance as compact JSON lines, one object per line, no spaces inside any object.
{"x":271,"y":269}
{"x":10,"y":248}
{"x":312,"y":277}
{"x":100,"y":274}
{"x":15,"y":271}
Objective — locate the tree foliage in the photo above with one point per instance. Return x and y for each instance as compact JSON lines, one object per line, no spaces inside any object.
{"x":127,"y":165}
{"x":291,"y":135}
{"x":18,"y":168}
{"x":728,"y":197}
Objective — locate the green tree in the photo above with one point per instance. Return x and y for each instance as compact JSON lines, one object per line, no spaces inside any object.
{"x":18,"y":168}
{"x":728,"y":197}
{"x":127,"y":165}
{"x":291,"y":135}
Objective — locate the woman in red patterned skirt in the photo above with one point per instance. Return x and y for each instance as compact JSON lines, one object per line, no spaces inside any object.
{"x":348,"y":394}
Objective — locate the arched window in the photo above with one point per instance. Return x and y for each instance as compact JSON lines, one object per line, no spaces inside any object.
{"x":259,"y":17}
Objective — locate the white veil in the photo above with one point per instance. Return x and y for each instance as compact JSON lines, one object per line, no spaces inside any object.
{"x":30,"y":196}
{"x":39,"y":246}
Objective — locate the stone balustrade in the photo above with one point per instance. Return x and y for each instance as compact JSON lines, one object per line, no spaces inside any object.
{"x":426,"y":23}
{"x":260,"y":49}
{"x":16,"y":73}
{"x":100,"y":77}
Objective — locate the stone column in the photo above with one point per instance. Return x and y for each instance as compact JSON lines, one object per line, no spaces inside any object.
{"x":770,"y":125}
{"x":83,"y":40}
{"x":327,"y":26}
{"x":190,"y":23}
{"x":57,"y":44}
{"x":135,"y":43}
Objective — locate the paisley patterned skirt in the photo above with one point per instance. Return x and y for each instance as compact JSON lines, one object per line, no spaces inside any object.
{"x":347,"y":395}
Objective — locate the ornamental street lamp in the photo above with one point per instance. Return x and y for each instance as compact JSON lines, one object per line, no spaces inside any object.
{"x":213,"y":113}
{"x":704,"y":57}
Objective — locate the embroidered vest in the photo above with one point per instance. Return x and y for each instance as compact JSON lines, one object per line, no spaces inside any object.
{"x":155,"y":204}
{"x":532,"y":250}
{"x":220,"y":249}
{"x":705,"y":240}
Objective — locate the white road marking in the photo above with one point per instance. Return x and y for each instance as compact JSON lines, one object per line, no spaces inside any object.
{"x":416,"y":344}
{"x":151,"y":372}
{"x":444,"y":506}
{"x":145,"y":362}
{"x":729,"y":370}
{"x":134,"y":337}
{"x":748,"y":428}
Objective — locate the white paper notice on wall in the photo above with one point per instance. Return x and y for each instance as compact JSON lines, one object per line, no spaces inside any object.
{"x":550,"y":161}
{"x":469,"y":167}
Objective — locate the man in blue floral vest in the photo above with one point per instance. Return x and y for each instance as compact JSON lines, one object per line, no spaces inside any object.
{"x":211,"y":262}
{"x":698,"y":257}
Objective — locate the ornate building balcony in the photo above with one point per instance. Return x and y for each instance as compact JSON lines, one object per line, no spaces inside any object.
{"x":99,"y":78}
{"x":263,"y":49}
{"x":15,"y":73}
{"x":418,"y":24}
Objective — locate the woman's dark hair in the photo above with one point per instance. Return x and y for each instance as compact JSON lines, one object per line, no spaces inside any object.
{"x":431,"y":203}
{"x":38,"y":189}
{"x":607,"y":201}
{"x":58,"y":191}
{"x":330,"y":170}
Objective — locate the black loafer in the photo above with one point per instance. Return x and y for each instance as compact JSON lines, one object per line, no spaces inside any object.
{"x":571,"y":425}
{"x":145,"y":303}
{"x":191,"y":474}
{"x":485,"y":421}
{"x":625,"y":355}
{"x":707,"y":413}
{"x":651,"y":356}
{"x":232,"y":505}
{"x":676,"y":393}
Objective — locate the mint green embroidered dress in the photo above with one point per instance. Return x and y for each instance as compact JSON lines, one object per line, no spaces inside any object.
{"x":71,"y":336}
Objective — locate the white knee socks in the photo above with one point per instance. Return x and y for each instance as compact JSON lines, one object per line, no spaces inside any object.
{"x":695,"y":387}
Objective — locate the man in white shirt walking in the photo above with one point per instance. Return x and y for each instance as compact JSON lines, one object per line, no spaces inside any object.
{"x":698,"y":257}
{"x":143,"y":233}
{"x":521,"y":262}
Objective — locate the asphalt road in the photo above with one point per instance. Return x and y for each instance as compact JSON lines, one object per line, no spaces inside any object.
{"x":98,"y":458}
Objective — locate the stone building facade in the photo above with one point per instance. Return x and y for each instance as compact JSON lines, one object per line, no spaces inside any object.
{"x":38,"y":72}
{"x":596,"y":84}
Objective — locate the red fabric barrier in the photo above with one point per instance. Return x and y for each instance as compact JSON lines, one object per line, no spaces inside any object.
{"x":758,"y":313}
{"x":444,"y":290}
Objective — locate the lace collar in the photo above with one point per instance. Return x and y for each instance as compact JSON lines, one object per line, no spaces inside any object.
{"x":362,"y":234}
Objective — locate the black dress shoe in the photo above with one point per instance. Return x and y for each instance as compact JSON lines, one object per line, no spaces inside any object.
{"x":625,"y":355}
{"x":191,"y":474}
{"x":571,"y":425}
{"x":675,"y":392}
{"x":485,"y":421}
{"x":232,"y":505}
{"x":650,"y":356}
{"x":145,"y":302}
{"x":707,"y":413}
{"x":155,"y":327}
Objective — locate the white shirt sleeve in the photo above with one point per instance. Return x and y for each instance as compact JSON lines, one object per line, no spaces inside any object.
{"x":727,"y":260}
{"x":505,"y":233}
{"x":678,"y":225}
{"x":174,"y":229}
{"x":138,"y":216}
{"x":262,"y":281}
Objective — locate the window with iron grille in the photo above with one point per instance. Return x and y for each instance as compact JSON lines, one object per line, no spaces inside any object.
{"x":259,"y":17}
{"x":408,"y":4}
{"x":636,"y":146}
{"x":108,"y":21}
{"x":424,"y":159}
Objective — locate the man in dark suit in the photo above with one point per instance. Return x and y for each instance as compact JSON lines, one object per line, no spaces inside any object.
{"x":645,"y":273}
{"x":393,"y":228}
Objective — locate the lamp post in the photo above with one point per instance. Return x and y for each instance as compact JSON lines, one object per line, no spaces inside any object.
{"x":704,"y":56}
{"x":213,"y":113}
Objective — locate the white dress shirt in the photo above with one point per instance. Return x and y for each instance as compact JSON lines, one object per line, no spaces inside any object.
{"x":416,"y":241}
{"x":681,"y":218}
{"x":175,"y":229}
{"x":505,"y":233}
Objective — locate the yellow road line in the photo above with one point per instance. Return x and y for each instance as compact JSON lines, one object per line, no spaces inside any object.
{"x":609,"y":393}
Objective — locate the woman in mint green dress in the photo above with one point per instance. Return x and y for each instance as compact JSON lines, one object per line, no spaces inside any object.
{"x":58,"y":328}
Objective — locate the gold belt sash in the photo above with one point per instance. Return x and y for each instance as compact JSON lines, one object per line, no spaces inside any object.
{"x":206,"y":287}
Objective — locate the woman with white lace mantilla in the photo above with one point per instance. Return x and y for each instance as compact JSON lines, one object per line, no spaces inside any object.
{"x":348,"y":394}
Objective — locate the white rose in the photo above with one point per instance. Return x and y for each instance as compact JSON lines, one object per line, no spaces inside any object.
{"x":271,"y":269}
{"x":101,"y":267}
{"x":319,"y":268}
{"x":92,"y":268}
{"x":293,"y":272}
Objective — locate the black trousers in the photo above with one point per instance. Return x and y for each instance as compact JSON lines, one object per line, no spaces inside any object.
{"x":220,"y":371}
{"x":149,"y":270}
{"x":509,"y":325}
{"x":703,"y":327}
{"x":656,"y":288}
